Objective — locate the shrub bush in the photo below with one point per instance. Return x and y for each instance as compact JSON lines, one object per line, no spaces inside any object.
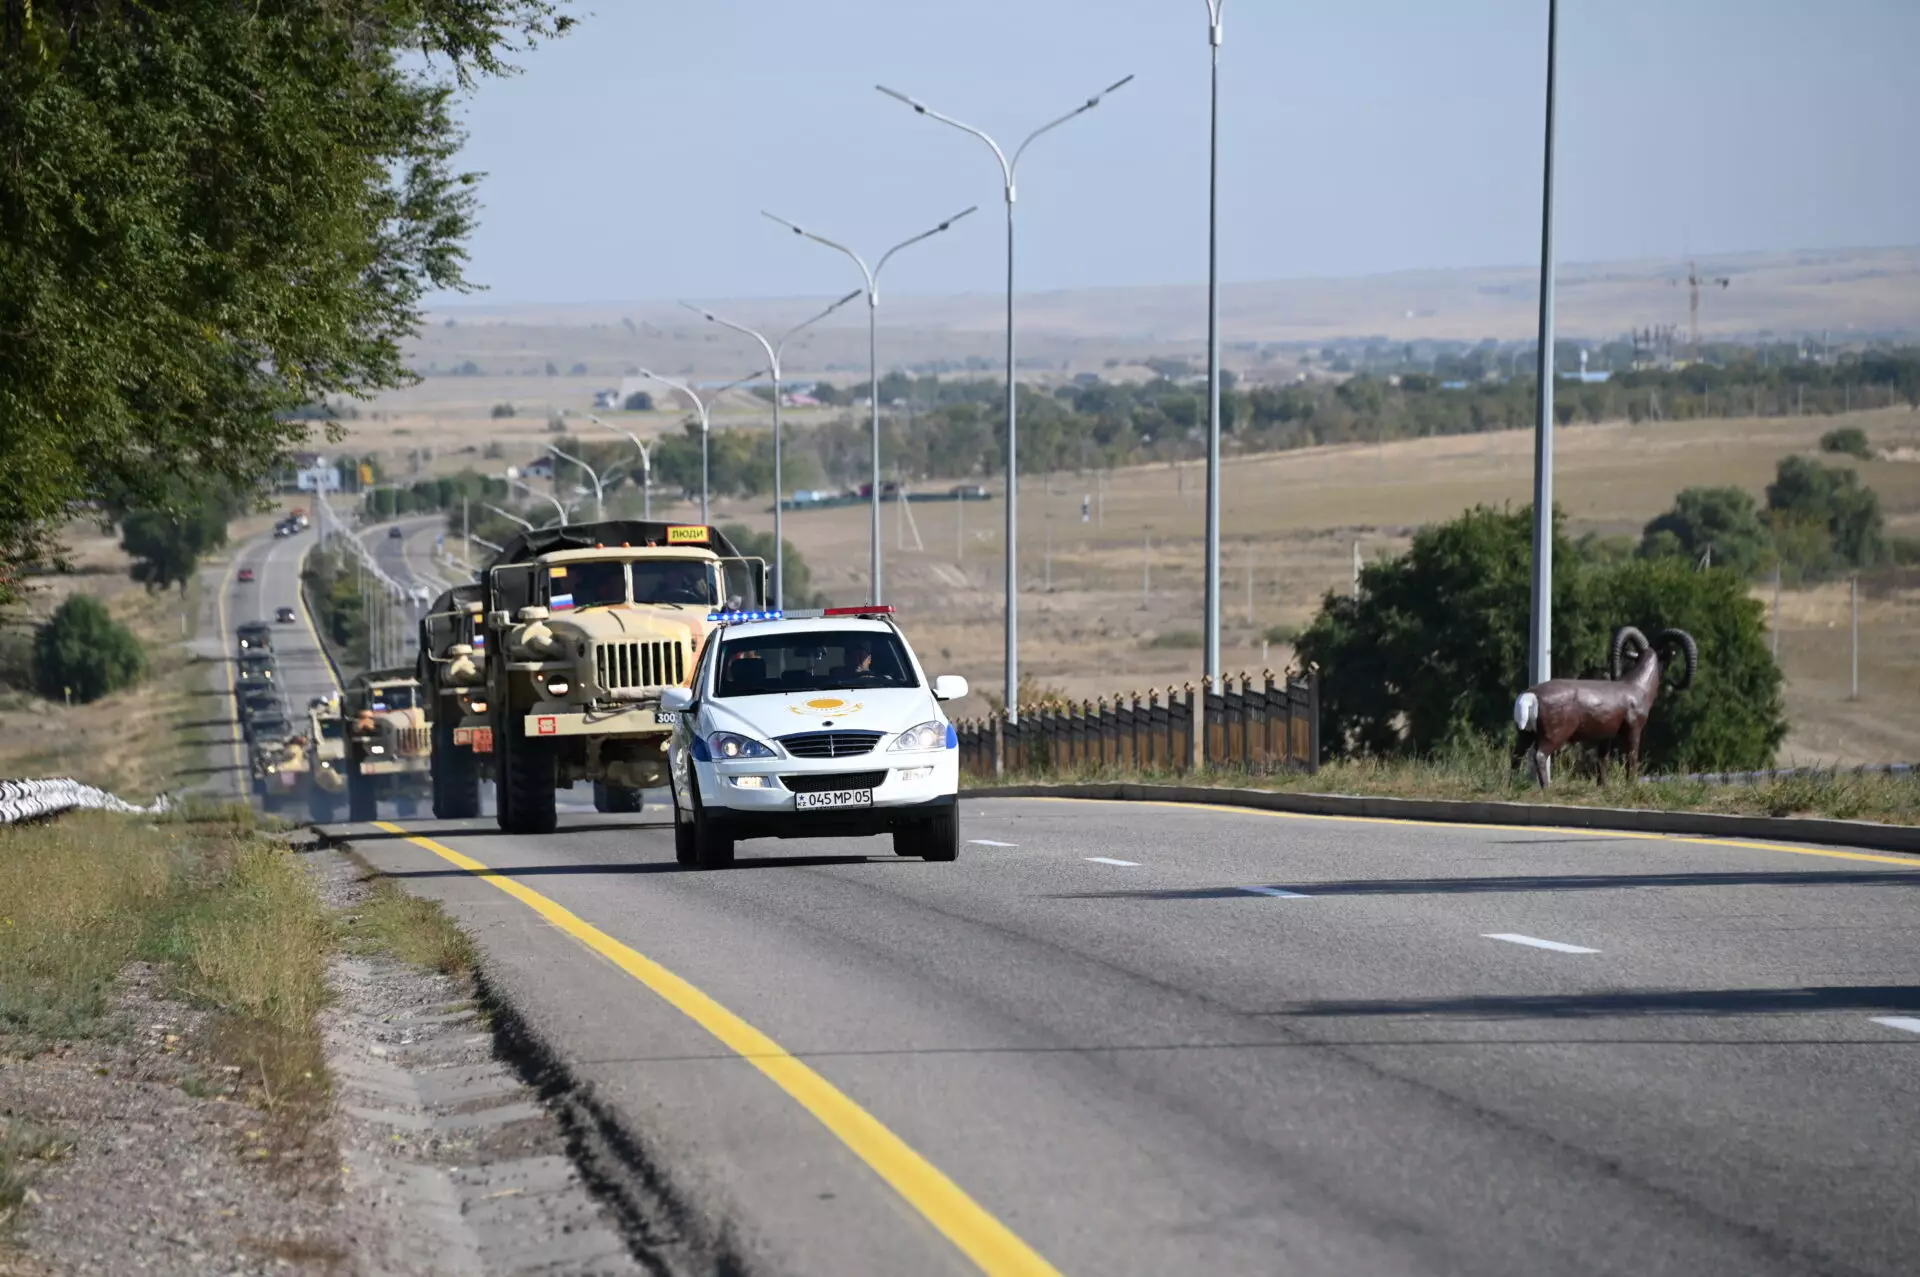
{"x":82,"y":648}
{"x":1850,"y":440}
{"x":1434,"y":650}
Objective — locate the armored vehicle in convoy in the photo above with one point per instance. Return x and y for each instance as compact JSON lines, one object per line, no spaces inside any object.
{"x":255,"y":636}
{"x":456,"y":698}
{"x":388,"y":745}
{"x":556,"y":659}
{"x":327,"y":756}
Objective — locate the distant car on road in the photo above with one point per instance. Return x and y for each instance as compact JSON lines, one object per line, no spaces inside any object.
{"x":394,"y":533}
{"x":285,"y":616}
{"x":246,"y":575}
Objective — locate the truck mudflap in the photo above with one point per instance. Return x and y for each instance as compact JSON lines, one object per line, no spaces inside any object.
{"x":640,"y":721}
{"x":479,"y":739}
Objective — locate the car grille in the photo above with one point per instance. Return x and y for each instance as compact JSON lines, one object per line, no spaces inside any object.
{"x":818,"y":784}
{"x":617,"y":666}
{"x":830,"y":744}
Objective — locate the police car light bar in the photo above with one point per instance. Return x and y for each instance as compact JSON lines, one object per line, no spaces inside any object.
{"x":870,"y":609}
{"x":738,"y":618}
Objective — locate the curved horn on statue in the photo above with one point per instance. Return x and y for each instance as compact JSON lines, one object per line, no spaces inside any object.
{"x":1624,"y":637}
{"x":1689,"y":649}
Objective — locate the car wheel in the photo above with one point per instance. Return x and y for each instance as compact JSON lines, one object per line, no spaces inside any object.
{"x":363,"y":800}
{"x":712,"y":840}
{"x":685,"y":850}
{"x":935,"y":838}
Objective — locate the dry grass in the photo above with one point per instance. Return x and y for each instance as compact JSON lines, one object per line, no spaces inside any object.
{"x":25,"y":1148}
{"x":412,"y":929}
{"x":1483,"y":774}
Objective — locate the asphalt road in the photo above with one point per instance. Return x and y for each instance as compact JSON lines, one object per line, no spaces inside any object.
{"x":1151,"y":1039}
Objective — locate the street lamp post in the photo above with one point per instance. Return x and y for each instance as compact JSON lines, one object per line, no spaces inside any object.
{"x":646,"y":465}
{"x":1212,"y":669}
{"x":1008,"y":168}
{"x":544,"y":496}
{"x":599,"y":493}
{"x":704,"y":409}
{"x":774,"y":350}
{"x":872,"y":277}
{"x":1541,"y":647}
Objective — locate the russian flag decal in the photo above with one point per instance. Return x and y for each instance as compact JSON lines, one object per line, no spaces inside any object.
{"x":563,"y":602}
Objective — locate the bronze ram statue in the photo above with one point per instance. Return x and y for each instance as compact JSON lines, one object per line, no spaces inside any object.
{"x":1608,"y":714}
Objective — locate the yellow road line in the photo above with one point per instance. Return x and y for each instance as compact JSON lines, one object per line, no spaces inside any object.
{"x":991,"y":1245}
{"x":1909,"y":861}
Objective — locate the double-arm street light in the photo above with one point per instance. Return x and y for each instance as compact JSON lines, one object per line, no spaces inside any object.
{"x":646,"y":465}
{"x":872,"y":276}
{"x":599,"y":493}
{"x":774,"y":350}
{"x":1212,"y":659}
{"x":533,"y":492}
{"x":703,"y":407}
{"x":1009,"y":166}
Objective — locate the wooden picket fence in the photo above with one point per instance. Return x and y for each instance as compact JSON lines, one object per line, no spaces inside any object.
{"x":1251,"y":724}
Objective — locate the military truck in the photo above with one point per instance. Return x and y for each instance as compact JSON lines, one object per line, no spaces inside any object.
{"x":456,"y":698}
{"x":327,"y":756}
{"x":255,"y":636}
{"x":257,"y":667}
{"x":578,"y":631}
{"x":388,"y":744}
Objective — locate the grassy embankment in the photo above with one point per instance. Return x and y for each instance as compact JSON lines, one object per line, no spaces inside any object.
{"x":1483,"y":775}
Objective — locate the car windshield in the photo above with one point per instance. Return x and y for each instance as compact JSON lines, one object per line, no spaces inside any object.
{"x":591,"y":584}
{"x":685,"y":581}
{"x":384,"y":698}
{"x":827,"y":661}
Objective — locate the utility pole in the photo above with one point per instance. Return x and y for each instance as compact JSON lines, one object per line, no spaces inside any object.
{"x":1146,"y":568}
{"x":1211,"y":667}
{"x":1776,"y":613}
{"x":1853,"y":601}
{"x":1541,"y":645}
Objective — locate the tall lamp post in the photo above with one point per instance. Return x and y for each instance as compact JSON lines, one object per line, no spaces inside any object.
{"x":531,"y":491}
{"x":646,"y":465}
{"x":506,"y":514}
{"x":872,"y":277}
{"x":703,"y":408}
{"x":1212,"y":668}
{"x":1009,"y":166}
{"x":1540,"y":649}
{"x":774,"y":350}
{"x":599,"y":493}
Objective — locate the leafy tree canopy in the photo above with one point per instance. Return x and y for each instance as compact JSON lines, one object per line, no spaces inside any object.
{"x":1724,"y":521}
{"x":1805,"y":491}
{"x":1434,"y":649}
{"x":215,"y":212}
{"x":83,"y":650}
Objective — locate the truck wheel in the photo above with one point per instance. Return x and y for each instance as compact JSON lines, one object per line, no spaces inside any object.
{"x":616,"y":798}
{"x":363,"y":801}
{"x":935,"y":838}
{"x":527,"y":782}
{"x":320,"y":806}
{"x":712,"y":840}
{"x":456,"y":776}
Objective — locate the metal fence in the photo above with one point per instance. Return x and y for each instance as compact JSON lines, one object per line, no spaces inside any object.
{"x":1254,"y":724}
{"x":24,"y":800}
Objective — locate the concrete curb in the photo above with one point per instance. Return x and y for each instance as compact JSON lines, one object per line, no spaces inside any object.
{"x":1839,"y":833}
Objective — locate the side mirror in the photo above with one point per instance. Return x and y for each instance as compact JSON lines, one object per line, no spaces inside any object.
{"x":499,"y":620}
{"x":733,"y":603}
{"x":949,"y":687}
{"x":536,"y":613}
{"x":676,"y":700}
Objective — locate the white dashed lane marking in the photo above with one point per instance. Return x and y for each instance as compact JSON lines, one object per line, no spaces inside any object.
{"x":1537,"y":943}
{"x":1906,"y":1023}
{"x":1275,"y":892}
{"x":1109,"y":860}
{"x":988,"y":842}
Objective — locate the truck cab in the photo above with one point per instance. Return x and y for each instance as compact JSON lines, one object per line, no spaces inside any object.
{"x":388,"y":747}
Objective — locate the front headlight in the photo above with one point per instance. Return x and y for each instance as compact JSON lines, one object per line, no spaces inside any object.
{"x":925,"y":736}
{"x":376,"y":749}
{"x":729,"y":745}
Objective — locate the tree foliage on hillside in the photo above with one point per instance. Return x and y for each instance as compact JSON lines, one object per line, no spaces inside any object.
{"x":1434,"y":649}
{"x":214,"y":213}
{"x":83,"y":651}
{"x":1830,"y":498}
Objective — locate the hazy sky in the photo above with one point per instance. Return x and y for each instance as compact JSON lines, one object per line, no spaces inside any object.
{"x":631,"y":160}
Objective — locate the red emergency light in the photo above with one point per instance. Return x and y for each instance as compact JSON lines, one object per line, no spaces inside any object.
{"x":871,"y":609}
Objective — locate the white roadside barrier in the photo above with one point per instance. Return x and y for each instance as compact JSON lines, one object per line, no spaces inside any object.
{"x":23,"y":800}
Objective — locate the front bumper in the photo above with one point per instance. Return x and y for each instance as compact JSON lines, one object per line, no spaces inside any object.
{"x":394,"y":767}
{"x":898,"y":798}
{"x":639,"y":720}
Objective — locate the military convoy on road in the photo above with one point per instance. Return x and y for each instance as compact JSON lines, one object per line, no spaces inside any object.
{"x":549,"y":670}
{"x":388,"y":745}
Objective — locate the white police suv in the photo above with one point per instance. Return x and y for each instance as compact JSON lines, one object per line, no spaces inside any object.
{"x":812,"y":725}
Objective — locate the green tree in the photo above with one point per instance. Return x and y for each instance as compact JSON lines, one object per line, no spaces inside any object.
{"x":1434,"y":648}
{"x":167,"y":546}
{"x":82,"y":649}
{"x":1723,"y":520}
{"x":213,"y":214}
{"x":1805,"y":490}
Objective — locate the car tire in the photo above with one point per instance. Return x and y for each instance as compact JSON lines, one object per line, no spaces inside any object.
{"x":936,"y":838}
{"x":456,"y":776}
{"x":528,"y":778}
{"x":616,"y":799}
{"x":712,"y":840}
{"x":685,"y":850}
{"x":363,"y":800}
